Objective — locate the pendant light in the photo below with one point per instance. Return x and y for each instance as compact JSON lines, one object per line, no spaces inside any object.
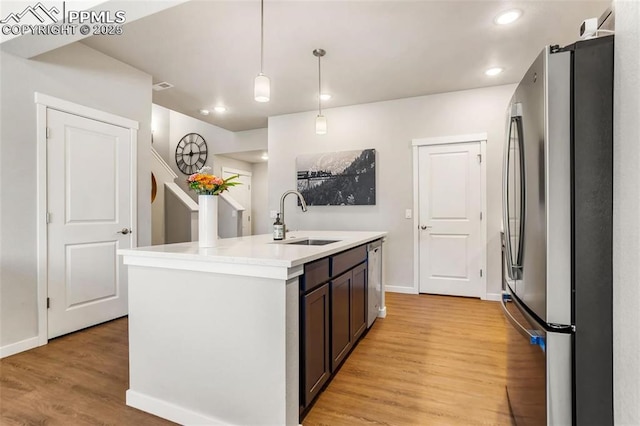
{"x":321,"y":121}
{"x":261,"y":88}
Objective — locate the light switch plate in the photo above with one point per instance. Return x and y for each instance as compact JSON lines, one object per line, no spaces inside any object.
{"x":407,"y":214}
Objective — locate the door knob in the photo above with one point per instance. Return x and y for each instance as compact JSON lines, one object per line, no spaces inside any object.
{"x":423,"y":227}
{"x":124,"y":231}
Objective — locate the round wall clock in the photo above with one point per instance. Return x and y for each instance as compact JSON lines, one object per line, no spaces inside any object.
{"x":191,"y":153}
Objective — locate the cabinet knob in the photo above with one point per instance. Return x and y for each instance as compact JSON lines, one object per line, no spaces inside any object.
{"x":124,"y":231}
{"x":423,"y":227}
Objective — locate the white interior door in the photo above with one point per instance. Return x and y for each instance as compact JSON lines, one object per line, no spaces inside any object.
{"x":89,"y":183}
{"x":242,"y":194}
{"x":450,"y":202}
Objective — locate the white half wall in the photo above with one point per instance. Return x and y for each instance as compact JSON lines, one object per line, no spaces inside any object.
{"x":389,"y":127}
{"x":78,"y":74}
{"x":626,"y":215}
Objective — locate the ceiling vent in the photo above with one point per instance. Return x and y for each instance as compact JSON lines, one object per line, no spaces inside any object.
{"x":163,"y":85}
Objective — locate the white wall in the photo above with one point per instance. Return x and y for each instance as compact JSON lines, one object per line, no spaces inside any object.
{"x":78,"y":74}
{"x":160,"y":142}
{"x":262,"y":224}
{"x":389,"y":127}
{"x":220,"y":161}
{"x":160,"y":126}
{"x":626,"y":215}
{"x":249,"y":140}
{"x":228,"y":220}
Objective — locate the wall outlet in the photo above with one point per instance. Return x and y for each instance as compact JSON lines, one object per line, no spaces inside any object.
{"x":273,"y":214}
{"x":407,"y":214}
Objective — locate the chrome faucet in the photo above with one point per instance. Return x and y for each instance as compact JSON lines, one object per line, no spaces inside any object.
{"x":303,"y":204}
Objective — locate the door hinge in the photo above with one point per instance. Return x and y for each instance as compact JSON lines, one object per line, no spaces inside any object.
{"x":48,"y":303}
{"x":48,"y":217}
{"x":249,"y":187}
{"x":479,"y":158}
{"x":480,"y":215}
{"x":48,"y":132}
{"x":248,"y":218}
{"x":480,"y":273}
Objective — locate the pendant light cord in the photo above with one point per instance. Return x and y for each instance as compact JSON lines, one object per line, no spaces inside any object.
{"x":319,"y":87}
{"x":261,"y":34}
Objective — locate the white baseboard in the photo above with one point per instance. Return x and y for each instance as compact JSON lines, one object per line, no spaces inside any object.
{"x":168,"y":411}
{"x":382,"y":313}
{"x":494,"y":297}
{"x":21,"y":346}
{"x":400,"y":289}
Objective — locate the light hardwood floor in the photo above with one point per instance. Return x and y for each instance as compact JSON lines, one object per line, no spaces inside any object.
{"x":433,"y":361}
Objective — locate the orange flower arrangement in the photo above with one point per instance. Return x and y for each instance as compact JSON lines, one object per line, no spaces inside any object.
{"x":207,"y":184}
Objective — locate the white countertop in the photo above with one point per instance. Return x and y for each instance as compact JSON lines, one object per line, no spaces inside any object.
{"x":258,"y":250}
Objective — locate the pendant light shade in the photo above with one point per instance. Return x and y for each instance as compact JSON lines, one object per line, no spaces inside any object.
{"x":321,"y":125}
{"x":261,"y":85}
{"x":262,"y":88}
{"x":321,"y":120}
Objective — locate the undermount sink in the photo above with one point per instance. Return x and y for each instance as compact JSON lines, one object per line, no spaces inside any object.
{"x":311,"y":242}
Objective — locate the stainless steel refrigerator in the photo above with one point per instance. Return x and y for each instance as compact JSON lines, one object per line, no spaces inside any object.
{"x":557,"y":219}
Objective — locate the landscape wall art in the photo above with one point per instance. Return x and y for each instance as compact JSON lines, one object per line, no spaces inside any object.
{"x":346,"y":178}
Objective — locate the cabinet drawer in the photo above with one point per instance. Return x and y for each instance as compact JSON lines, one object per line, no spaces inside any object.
{"x":315,"y":273}
{"x":346,"y":260}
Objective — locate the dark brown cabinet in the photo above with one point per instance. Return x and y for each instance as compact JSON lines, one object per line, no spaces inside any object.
{"x":341,"y":336}
{"x":348,"y":312}
{"x":316,"y":342}
{"x":333,"y":316}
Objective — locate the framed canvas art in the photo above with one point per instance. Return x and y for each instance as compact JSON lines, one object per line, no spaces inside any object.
{"x":346,"y":178}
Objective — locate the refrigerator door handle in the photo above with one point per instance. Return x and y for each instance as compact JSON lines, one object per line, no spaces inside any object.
{"x":514,"y":267}
{"x":534,"y":337}
{"x":505,"y":209}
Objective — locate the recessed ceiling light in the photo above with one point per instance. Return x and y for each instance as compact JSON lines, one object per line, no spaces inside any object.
{"x":325,"y":96}
{"x":204,"y":111}
{"x":508,"y":17}
{"x":493,"y":71}
{"x":220,"y":108}
{"x":265,"y":156}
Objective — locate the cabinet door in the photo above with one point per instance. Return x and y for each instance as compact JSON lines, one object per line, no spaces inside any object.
{"x":358,"y":301}
{"x":340,"y":318}
{"x":316,"y":342}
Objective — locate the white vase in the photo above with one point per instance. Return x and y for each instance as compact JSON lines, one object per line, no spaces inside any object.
{"x":207,"y":220}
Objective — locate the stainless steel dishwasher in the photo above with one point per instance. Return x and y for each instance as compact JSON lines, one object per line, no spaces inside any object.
{"x":374,"y":272}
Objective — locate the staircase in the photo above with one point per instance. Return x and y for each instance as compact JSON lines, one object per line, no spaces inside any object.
{"x":174,"y":214}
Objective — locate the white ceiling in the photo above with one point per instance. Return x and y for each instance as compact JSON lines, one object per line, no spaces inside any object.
{"x":376,"y":50}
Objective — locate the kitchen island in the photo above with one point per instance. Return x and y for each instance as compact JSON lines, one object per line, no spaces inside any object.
{"x":214,"y":332}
